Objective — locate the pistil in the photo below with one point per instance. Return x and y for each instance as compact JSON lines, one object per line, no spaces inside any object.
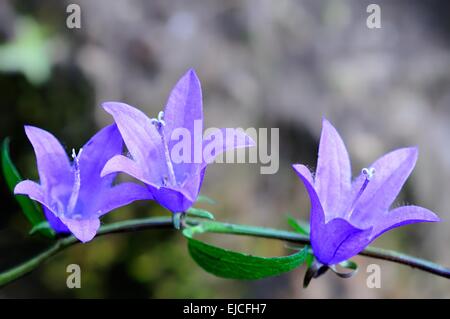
{"x":160,"y":123}
{"x":77,"y":182}
{"x":368,"y":173}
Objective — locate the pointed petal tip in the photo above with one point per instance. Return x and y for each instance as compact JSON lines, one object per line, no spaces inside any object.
{"x":433,"y":217}
{"x":29,"y":127}
{"x":412,"y":150}
{"x":18,"y":189}
{"x":109,"y":106}
{"x":410,"y":154}
{"x":84,"y":229}
{"x":112,"y":106}
{"x":22,"y":188}
{"x":404,"y":215}
{"x":300,"y":168}
{"x":304,"y":173}
{"x":421,"y":214}
{"x":85,"y":239}
{"x":31,"y":130}
{"x":327,"y":123}
{"x":109,"y":168}
{"x":105,"y":171}
{"x":34,"y":132}
{"x":191,"y":77}
{"x":191,"y":72}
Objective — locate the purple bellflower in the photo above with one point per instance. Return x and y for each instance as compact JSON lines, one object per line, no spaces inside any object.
{"x":346,"y":216}
{"x":73,"y":194}
{"x":151,"y":143}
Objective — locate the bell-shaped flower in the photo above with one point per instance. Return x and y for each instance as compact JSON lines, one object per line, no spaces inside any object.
{"x":73,"y":194}
{"x":152,"y":143}
{"x":346,"y":216}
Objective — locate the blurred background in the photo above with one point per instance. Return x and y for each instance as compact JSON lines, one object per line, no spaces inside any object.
{"x":262,"y":63}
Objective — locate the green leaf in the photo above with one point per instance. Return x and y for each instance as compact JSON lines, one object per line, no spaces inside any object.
{"x":302,"y":228}
{"x":200,"y":213}
{"x":309,"y":257}
{"x":205,"y":199}
{"x":31,"y":209}
{"x":235,"y":265}
{"x":41,"y":226}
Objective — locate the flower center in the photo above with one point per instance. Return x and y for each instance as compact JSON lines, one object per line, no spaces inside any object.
{"x":77,"y":182}
{"x":368,"y":174}
{"x":159,"y":124}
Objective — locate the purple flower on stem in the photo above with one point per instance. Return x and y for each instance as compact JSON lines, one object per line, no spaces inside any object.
{"x":73,"y":194}
{"x":346,"y":216}
{"x":151,"y":143}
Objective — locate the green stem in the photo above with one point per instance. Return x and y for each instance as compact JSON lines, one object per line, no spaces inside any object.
{"x":60,"y":244}
{"x":373,"y":252}
{"x":214,"y":227}
{"x":26,"y":267}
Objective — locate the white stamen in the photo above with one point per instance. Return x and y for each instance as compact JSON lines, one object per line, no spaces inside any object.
{"x":161,"y":118}
{"x":172,"y":178}
{"x":368,"y":174}
{"x":76,"y":182}
{"x":75,"y":156}
{"x":160,"y":123}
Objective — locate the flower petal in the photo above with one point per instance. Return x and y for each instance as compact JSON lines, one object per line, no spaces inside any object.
{"x":83,"y":229}
{"x":223,"y":140}
{"x":95,"y":154}
{"x":32,"y":189}
{"x":52,"y":161}
{"x":401,"y":216}
{"x":56,"y":224}
{"x":191,"y":187}
{"x":338,"y":240}
{"x":179,"y":199}
{"x":184,"y":105}
{"x":120,"y":195}
{"x":184,"y":114}
{"x":317,"y":218}
{"x":123,"y":164}
{"x":173,"y":199}
{"x":36,"y":192}
{"x":333,"y":173}
{"x":141,"y":138}
{"x":391,"y":172}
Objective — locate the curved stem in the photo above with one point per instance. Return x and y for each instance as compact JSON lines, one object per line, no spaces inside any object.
{"x":60,"y":244}
{"x":215,"y":227}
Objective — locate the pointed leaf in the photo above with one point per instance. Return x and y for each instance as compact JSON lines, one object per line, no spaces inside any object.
{"x":199,"y":213}
{"x":31,"y":209}
{"x":235,"y":265}
{"x":40,"y":227}
{"x":299,"y":227}
{"x":206,"y":199}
